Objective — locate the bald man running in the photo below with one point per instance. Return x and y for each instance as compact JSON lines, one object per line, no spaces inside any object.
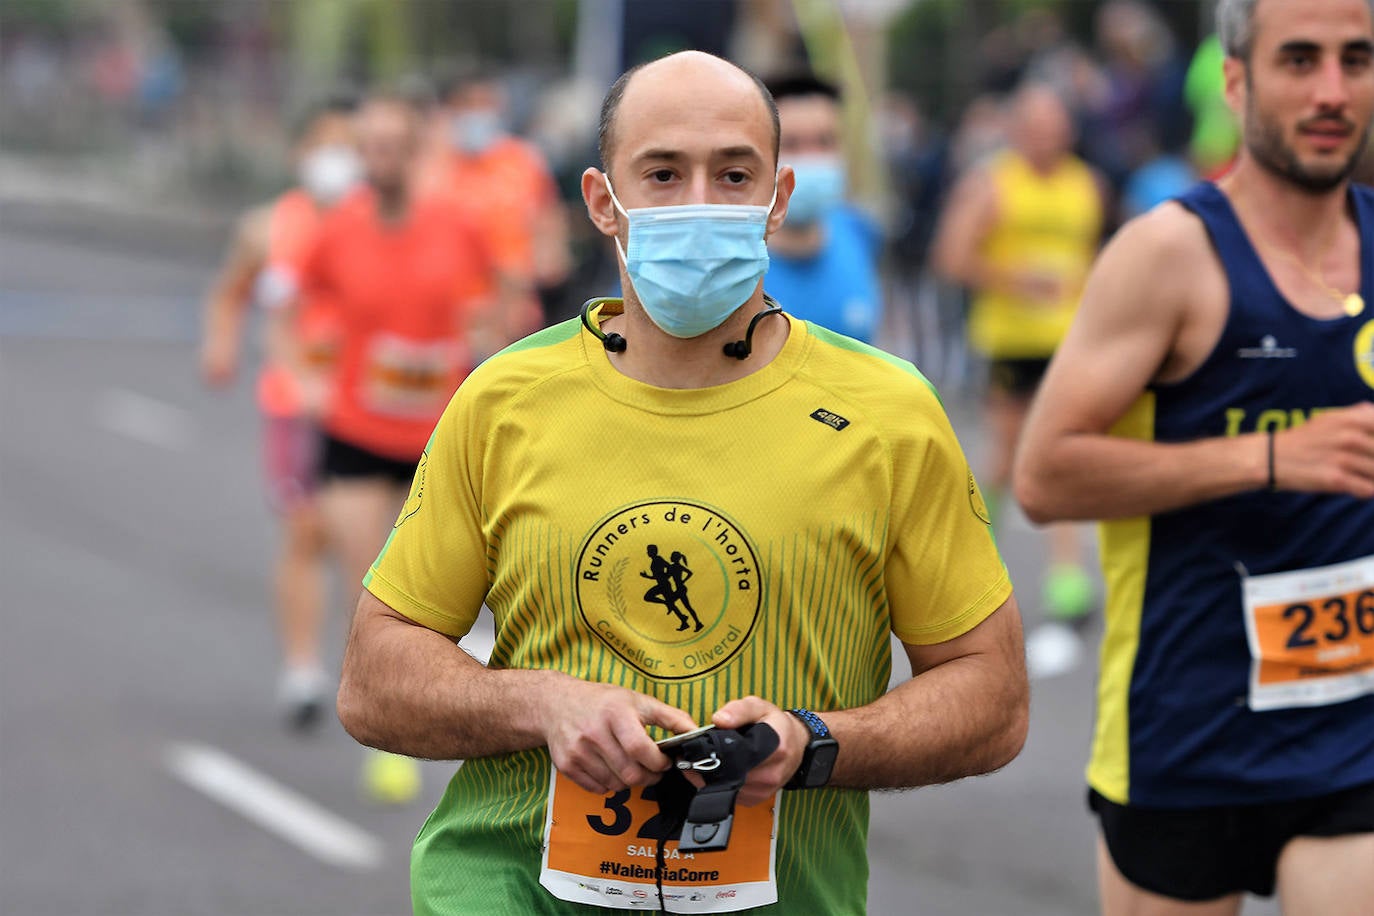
{"x":812,"y":501}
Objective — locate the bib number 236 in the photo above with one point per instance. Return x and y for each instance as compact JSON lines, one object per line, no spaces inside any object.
{"x":1311,"y":635}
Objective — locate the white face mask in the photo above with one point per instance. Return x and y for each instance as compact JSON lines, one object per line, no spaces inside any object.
{"x":330,"y":172}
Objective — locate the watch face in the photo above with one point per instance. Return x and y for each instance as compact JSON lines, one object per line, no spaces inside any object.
{"x":822,"y":762}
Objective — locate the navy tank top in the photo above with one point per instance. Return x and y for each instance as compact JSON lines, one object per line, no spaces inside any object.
{"x":1178,"y":695}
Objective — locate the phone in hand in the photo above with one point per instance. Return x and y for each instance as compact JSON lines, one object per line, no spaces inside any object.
{"x":674,"y":740}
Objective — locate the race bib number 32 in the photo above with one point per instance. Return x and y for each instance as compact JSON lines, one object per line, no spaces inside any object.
{"x":601,"y":850}
{"x":1311,"y":634}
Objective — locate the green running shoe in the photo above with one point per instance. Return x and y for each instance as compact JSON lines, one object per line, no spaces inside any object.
{"x":1069,"y":595}
{"x":391,"y":778}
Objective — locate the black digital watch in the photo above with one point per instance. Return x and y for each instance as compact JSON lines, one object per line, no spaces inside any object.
{"x":818,"y":760}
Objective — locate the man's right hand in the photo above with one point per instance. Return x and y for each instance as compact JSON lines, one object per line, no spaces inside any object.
{"x":313,"y":390}
{"x":1331,"y":453}
{"x":595,"y":734}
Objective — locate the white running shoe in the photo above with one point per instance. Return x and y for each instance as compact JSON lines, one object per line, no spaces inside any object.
{"x":1053,"y":649}
{"x":302,"y":694}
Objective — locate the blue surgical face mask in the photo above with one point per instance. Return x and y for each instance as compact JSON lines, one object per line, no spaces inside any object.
{"x":820,"y":187}
{"x":692,"y":266}
{"x":474,"y":132}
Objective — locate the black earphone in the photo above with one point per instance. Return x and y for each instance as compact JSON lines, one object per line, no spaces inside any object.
{"x":738,"y":349}
{"x":613,"y":342}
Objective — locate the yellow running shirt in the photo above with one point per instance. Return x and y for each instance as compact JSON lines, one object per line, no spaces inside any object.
{"x":759,"y":537}
{"x":1047,"y":225}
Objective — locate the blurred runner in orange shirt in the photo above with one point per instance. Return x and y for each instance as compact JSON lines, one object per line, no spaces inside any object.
{"x":409,"y":278}
{"x":269,"y":240}
{"x":504,"y":184}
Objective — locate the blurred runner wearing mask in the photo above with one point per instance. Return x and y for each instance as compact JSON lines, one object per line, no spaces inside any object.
{"x":270,"y":240}
{"x":504,"y":184}
{"x":408,"y":277}
{"x":824,"y":260}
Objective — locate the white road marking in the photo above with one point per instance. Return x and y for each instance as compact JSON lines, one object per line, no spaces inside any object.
{"x":145,"y":419}
{"x":273,"y":806}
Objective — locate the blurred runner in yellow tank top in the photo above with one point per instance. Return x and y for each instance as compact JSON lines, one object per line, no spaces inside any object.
{"x":1020,"y":233}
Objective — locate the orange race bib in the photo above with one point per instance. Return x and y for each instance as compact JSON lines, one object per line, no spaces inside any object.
{"x":410,"y":379}
{"x":320,"y":355}
{"x":600,"y":850}
{"x":1311,"y":634}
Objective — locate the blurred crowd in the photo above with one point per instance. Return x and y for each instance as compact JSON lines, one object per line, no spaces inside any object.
{"x":206,"y":103}
{"x":1147,"y":114}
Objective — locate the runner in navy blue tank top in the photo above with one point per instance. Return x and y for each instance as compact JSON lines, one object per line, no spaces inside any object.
{"x":1214,"y":404}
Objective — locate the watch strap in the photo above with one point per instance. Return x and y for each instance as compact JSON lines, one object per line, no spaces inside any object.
{"x":813,"y":722}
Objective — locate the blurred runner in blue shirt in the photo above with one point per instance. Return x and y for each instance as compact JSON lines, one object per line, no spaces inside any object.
{"x":824,"y":259}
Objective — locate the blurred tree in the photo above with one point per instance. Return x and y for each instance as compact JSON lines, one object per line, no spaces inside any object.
{"x":37,"y":13}
{"x":192,"y":27}
{"x":938,"y":47}
{"x":854,"y":59}
{"x":387,"y":27}
{"x":934,"y":52}
{"x":651,"y":30}
{"x":365,"y":41}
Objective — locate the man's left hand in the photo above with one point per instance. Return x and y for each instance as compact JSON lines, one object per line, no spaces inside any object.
{"x":771,"y":775}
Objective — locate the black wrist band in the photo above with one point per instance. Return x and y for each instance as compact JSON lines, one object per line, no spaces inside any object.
{"x":1273,"y":480}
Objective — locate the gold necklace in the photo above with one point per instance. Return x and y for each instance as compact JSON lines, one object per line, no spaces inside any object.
{"x":1351,"y":303}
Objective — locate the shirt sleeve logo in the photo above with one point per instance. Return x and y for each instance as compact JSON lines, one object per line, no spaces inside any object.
{"x":417,"y":490}
{"x":672,"y":588}
{"x":975,"y":499}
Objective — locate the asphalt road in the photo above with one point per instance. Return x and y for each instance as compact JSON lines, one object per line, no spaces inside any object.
{"x":137,"y":661}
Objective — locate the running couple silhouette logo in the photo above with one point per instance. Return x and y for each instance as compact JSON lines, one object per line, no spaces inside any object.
{"x":670,"y":585}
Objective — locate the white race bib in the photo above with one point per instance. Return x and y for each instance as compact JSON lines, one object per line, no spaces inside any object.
{"x":406,"y":378}
{"x":1311,"y":634}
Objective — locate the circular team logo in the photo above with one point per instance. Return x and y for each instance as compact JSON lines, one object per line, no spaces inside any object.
{"x":673,"y":588}
{"x":1364,"y":353}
